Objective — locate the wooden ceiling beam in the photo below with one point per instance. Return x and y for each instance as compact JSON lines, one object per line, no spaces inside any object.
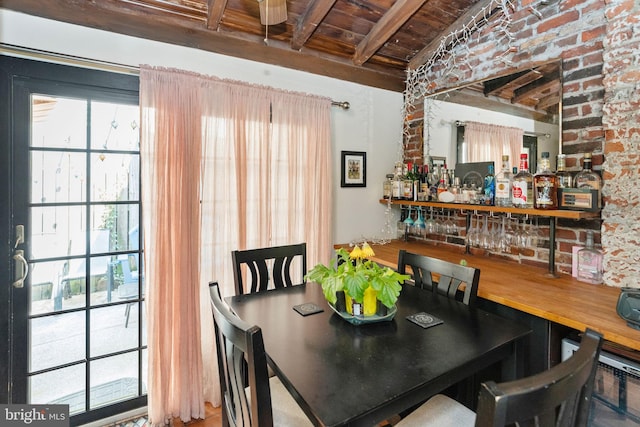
{"x":535,"y":91}
{"x":504,"y":84}
{"x":386,"y":27}
{"x":174,"y":28}
{"x":551,"y":100}
{"x":309,"y":21}
{"x":215,"y":10}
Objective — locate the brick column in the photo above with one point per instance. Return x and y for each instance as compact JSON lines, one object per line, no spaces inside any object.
{"x":621,"y":121}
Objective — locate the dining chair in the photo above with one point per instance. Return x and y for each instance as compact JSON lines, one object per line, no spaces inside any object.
{"x":446,"y":278}
{"x":560,"y":396}
{"x":270,"y":267}
{"x":265,"y":402}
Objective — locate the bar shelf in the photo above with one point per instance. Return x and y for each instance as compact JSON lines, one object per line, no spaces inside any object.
{"x":569,"y":214}
{"x":470,"y":208}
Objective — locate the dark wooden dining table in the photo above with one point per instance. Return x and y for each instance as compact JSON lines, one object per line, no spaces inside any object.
{"x":358,"y":375}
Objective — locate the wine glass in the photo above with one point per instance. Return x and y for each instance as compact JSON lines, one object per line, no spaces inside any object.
{"x":431,"y":225}
{"x":419,"y":224}
{"x":536,"y":236}
{"x":504,"y":242}
{"x":450,"y":226}
{"x":495,"y":231}
{"x":511,"y":232}
{"x":473,"y":236}
{"x":525,"y":238}
{"x":408,"y":223}
{"x":486,"y":240}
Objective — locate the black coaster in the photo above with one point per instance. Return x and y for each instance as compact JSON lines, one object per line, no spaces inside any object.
{"x":307,"y":308}
{"x":424,"y":320}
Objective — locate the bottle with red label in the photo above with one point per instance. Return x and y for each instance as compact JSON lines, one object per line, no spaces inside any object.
{"x":522,"y":185}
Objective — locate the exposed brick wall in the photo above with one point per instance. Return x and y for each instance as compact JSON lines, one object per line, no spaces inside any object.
{"x":597,"y":41}
{"x":621,"y":121}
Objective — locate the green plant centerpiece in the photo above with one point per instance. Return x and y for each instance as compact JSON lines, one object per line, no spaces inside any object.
{"x":364,"y":282}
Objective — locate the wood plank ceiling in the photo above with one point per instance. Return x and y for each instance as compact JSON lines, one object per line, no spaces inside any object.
{"x":371,"y":42}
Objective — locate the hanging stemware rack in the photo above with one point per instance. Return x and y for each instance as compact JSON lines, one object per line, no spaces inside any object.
{"x":470,"y":210}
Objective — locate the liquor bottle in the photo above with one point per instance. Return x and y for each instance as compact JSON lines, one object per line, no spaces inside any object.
{"x":387,"y":187}
{"x":545,"y":184}
{"x":522,"y":185}
{"x":590,"y":262}
{"x":407,"y":193}
{"x":452,"y":175}
{"x":565,"y":180}
{"x":489,"y":187}
{"x":503,"y":184}
{"x":434,"y":180}
{"x":397,"y":185}
{"x":416,"y":181}
{"x":424,"y":181}
{"x":456,"y":189}
{"x":587,"y":178}
{"x":442,"y":187}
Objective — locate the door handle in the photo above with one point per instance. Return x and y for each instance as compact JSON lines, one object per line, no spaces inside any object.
{"x":22,"y":269}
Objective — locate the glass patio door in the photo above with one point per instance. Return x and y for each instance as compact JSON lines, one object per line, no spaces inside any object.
{"x":76,"y":291}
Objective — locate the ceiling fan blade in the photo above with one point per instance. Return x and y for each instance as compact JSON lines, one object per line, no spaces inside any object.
{"x":272,"y":11}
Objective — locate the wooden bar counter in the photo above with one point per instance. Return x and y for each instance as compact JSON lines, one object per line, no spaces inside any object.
{"x":563,"y":299}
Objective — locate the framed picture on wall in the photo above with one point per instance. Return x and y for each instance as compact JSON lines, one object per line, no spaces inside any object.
{"x":353,"y":169}
{"x":438,"y":161}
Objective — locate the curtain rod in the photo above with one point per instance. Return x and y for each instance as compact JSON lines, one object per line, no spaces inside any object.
{"x":344,"y":104}
{"x":65,"y":59}
{"x":459,"y":123}
{"x":96,"y":64}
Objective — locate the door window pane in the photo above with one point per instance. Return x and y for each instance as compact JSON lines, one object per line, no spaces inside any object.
{"x":117,"y":227}
{"x":63,"y":386}
{"x":121,"y":281}
{"x":103,"y":285}
{"x":52,"y":289}
{"x":58,"y":177}
{"x":58,"y":231}
{"x":115,"y":177}
{"x":56,"y":340}
{"x":115,"y":126}
{"x":58,"y":122}
{"x":114,"y":379}
{"x":108,"y":331}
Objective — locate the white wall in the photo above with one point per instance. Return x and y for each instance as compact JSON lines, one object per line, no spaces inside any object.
{"x":443,"y":129}
{"x":373,"y":124}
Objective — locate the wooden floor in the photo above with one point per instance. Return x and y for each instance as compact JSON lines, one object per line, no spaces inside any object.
{"x":212,"y":419}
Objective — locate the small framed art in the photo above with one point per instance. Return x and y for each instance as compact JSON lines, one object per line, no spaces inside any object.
{"x":354,"y":169}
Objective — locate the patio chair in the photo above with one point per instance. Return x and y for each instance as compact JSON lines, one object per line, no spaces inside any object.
{"x":241,"y":356}
{"x":560,"y":396}
{"x":129,"y":289}
{"x":271,"y":267}
{"x":446,"y":278}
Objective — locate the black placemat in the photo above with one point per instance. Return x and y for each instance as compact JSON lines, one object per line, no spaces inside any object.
{"x":424,"y":320}
{"x":308,"y":308}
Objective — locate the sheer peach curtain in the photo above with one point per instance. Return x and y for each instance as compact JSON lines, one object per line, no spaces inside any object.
{"x":249,"y":166}
{"x":171,"y":151}
{"x":485,"y":143}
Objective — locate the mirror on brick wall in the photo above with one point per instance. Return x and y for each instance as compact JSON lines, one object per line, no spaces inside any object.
{"x":530,"y":99}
